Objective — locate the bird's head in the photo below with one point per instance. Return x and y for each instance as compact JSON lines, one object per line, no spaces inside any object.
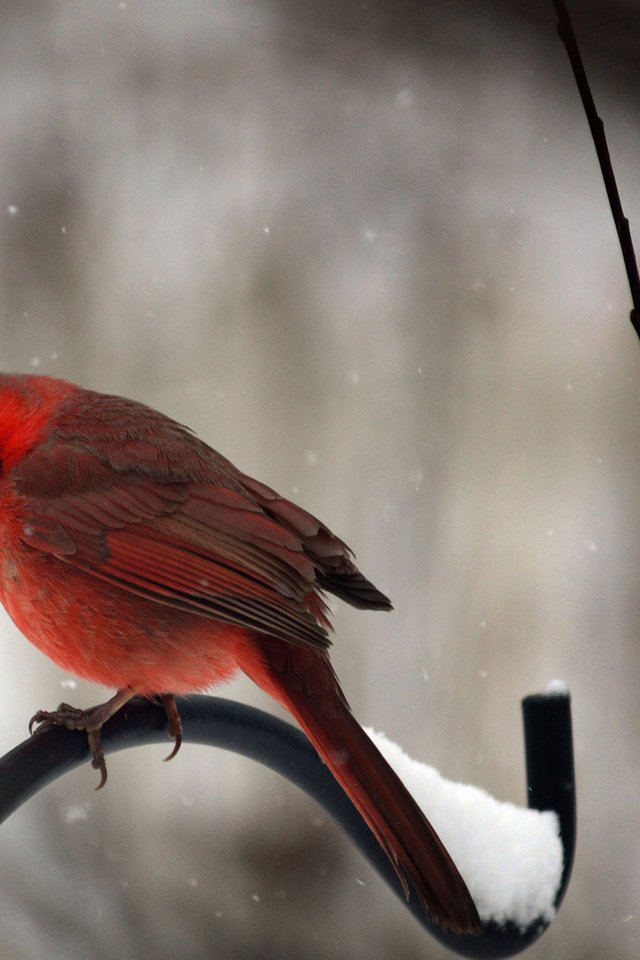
{"x":27,"y":404}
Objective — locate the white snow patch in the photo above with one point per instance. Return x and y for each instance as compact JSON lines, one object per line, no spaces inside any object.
{"x":509,"y":856}
{"x":75,"y":813}
{"x":405,"y":98}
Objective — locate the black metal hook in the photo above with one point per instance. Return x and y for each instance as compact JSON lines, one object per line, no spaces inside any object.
{"x":253,"y":733}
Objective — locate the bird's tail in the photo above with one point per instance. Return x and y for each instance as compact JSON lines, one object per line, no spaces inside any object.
{"x":303,"y":680}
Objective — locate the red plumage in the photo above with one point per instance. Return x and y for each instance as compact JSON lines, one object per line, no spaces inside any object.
{"x":135,"y":556}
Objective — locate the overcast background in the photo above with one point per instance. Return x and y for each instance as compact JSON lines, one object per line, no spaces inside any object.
{"x":364,"y":250}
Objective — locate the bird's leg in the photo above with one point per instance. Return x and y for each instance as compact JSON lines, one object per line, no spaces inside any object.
{"x":175,"y":723}
{"x":91,"y":721}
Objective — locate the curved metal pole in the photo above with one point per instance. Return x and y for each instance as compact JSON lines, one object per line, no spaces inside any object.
{"x":253,"y":733}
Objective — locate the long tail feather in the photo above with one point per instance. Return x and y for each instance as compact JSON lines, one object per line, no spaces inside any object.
{"x":304,"y":682}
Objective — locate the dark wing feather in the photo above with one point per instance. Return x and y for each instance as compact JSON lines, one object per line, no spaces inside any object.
{"x":232,"y":564}
{"x":135,"y":499}
{"x":332,"y":559}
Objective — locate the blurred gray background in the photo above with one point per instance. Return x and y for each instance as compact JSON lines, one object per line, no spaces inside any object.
{"x":364,"y":250}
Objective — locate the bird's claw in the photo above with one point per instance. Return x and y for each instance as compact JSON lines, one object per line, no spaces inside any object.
{"x":175,"y":723}
{"x":64,"y":716}
{"x":93,"y":720}
{"x":98,"y":761}
{"x":73,"y":718}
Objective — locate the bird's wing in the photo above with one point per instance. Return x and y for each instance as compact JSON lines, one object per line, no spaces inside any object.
{"x":199,"y":546}
{"x":135,"y":498}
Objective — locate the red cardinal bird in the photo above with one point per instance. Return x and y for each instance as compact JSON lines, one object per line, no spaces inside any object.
{"x":135,"y":556}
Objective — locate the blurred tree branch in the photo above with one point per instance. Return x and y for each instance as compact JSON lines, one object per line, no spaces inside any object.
{"x":596,"y":125}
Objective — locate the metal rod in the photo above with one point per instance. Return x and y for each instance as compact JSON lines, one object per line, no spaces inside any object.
{"x":253,"y":733}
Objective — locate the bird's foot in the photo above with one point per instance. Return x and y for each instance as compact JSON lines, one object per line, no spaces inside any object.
{"x":91,"y":721}
{"x":175,"y":723}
